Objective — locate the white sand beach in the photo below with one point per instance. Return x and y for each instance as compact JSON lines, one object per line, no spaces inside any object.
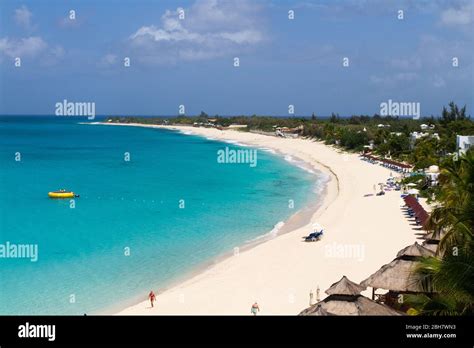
{"x":280,"y":273}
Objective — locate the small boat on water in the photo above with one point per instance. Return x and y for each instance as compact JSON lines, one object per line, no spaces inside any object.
{"x":62,"y":194}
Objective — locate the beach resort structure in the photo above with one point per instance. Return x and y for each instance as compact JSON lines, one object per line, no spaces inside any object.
{"x":432,"y":240}
{"x":388,"y":163}
{"x":286,"y":132}
{"x":432,"y":175}
{"x":414,"y":136}
{"x":464,"y":143}
{"x":345,"y":299}
{"x":398,"y":277}
{"x":237,"y":126}
{"x":427,"y":126}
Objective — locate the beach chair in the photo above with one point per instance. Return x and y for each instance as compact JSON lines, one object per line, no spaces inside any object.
{"x":314,"y":237}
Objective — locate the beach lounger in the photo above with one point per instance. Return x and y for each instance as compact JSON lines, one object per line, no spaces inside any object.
{"x":313,"y":237}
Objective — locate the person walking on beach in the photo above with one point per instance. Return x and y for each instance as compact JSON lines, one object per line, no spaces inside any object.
{"x":152,"y":297}
{"x":255,"y":308}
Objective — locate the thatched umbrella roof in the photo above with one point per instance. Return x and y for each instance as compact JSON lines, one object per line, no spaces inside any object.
{"x":345,"y":305}
{"x":345,"y":299}
{"x":432,"y":240}
{"x":316,"y":309}
{"x":434,"y":236}
{"x":345,"y":287}
{"x":415,"y":250}
{"x":399,"y":275}
{"x":430,"y":246}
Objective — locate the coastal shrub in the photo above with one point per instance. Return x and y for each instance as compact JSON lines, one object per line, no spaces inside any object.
{"x":352,"y":139}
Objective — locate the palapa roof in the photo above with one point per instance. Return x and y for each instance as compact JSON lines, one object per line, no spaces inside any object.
{"x":399,"y":275}
{"x":431,"y":246}
{"x":415,"y":250}
{"x":432,"y":240}
{"x":345,"y":287}
{"x":435,"y":235}
{"x":360,"y":305}
{"x":316,"y":309}
{"x":345,"y":299}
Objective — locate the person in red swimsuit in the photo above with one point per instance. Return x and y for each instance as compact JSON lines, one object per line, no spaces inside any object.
{"x":152,"y":297}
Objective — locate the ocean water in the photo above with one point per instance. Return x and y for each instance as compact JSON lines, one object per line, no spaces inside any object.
{"x":127,"y":233}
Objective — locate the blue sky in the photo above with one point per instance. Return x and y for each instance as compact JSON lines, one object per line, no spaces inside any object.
{"x":189,"y":61}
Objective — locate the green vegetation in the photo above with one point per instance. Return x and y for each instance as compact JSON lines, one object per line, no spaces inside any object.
{"x":451,"y":272}
{"x":390,"y":136}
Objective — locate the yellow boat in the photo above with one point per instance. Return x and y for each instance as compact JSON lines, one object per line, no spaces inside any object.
{"x":62,"y":194}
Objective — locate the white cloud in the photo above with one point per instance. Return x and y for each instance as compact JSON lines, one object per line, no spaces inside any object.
{"x":431,"y":53}
{"x":390,"y":79}
{"x":29,"y":47}
{"x":243,"y":37}
{"x":222,"y":15}
{"x":23,"y":17}
{"x":458,"y":16}
{"x":178,"y":33}
{"x":429,"y":63}
{"x":108,"y":59}
{"x":211,"y":28}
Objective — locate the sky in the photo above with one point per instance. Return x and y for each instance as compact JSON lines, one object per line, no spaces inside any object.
{"x":184,"y":53}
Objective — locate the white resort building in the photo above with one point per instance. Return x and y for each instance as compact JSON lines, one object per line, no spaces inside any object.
{"x":464,"y":142}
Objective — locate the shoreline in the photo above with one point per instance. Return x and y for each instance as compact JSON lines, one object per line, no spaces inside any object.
{"x":299,"y":219}
{"x":282,"y":286}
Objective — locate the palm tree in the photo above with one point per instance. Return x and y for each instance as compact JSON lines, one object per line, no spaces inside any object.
{"x":452,"y":279}
{"x":451,"y":272}
{"x":455,"y":215}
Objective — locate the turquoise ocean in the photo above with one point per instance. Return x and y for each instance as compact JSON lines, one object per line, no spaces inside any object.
{"x":127,"y":232}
